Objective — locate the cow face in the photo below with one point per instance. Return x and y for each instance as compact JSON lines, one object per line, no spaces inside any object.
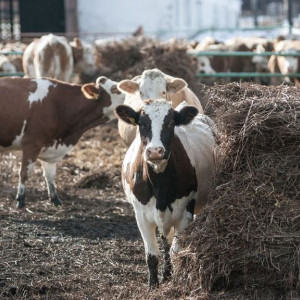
{"x":156,"y":121}
{"x":152,"y":84}
{"x":105,"y":90}
{"x":84,"y":57}
{"x":204,"y":65}
{"x":288,"y":64}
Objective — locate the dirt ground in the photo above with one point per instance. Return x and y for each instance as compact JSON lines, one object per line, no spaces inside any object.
{"x":90,"y":247}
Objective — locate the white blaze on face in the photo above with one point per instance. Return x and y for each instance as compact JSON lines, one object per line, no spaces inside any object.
{"x":290,"y":63}
{"x":41,"y":91}
{"x":157,"y":111}
{"x":153,"y":85}
{"x":204,"y":65}
{"x":116,"y":97}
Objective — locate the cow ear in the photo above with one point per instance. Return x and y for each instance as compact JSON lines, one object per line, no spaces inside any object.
{"x":185,"y":115}
{"x":128,"y":86}
{"x":90,"y":91}
{"x":136,"y":78}
{"x":127,"y":114}
{"x":176,"y":85}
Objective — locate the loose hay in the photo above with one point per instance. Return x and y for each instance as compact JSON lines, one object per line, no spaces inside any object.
{"x":248,"y":238}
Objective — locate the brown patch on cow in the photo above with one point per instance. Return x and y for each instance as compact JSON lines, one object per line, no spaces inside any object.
{"x":50,"y":51}
{"x":103,"y":80}
{"x":64,"y":115}
{"x":114,"y":90}
{"x":14,"y":108}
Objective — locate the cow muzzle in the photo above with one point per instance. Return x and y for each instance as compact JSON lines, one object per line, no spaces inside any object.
{"x":155,"y":153}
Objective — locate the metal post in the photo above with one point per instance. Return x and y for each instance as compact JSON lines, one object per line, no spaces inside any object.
{"x":254,"y":8}
{"x":290,"y":16}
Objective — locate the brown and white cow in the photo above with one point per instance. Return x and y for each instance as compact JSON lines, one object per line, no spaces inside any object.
{"x":153,"y":84}
{"x":285,"y":64}
{"x":45,"y":118}
{"x":53,"y":56}
{"x":166,"y":173}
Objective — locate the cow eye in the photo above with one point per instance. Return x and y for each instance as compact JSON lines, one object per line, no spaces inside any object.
{"x":164,"y":92}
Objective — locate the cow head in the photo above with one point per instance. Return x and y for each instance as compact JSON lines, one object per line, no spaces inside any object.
{"x":204,"y":65}
{"x":156,"y":121}
{"x":152,"y":84}
{"x":83,"y":56}
{"x":288,"y":64}
{"x":105,"y":90}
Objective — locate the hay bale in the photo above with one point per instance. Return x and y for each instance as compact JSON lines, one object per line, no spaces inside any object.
{"x":246,"y":242}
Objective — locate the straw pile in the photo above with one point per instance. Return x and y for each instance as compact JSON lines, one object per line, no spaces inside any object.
{"x":248,"y":238}
{"x":126,"y":58}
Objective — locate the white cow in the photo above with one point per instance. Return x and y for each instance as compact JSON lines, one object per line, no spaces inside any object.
{"x":153,"y":84}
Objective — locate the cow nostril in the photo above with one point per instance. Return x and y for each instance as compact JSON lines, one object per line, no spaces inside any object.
{"x":160,"y":151}
{"x":149,"y":152}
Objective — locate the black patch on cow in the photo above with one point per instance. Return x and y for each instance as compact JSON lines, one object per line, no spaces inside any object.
{"x":191,"y":206}
{"x":167,"y":266}
{"x":167,"y":132}
{"x":152,"y":262}
{"x":145,"y":128}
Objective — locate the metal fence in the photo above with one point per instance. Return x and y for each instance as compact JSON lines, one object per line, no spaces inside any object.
{"x":244,"y":54}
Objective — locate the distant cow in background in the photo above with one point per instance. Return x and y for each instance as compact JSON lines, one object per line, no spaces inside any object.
{"x":45,"y":118}
{"x":285,"y":64}
{"x":53,"y":56}
{"x":153,"y":84}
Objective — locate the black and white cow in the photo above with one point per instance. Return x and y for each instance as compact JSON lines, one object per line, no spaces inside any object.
{"x":166,"y":173}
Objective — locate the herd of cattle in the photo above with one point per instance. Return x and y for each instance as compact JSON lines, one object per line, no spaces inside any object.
{"x":171,"y":144}
{"x":256,"y":63}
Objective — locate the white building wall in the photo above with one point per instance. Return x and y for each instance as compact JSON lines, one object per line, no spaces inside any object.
{"x":179,"y":17}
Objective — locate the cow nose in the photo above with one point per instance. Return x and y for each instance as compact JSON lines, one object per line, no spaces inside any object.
{"x":291,"y":69}
{"x":155,"y":153}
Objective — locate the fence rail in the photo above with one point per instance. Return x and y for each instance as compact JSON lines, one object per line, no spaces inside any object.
{"x":243,"y":54}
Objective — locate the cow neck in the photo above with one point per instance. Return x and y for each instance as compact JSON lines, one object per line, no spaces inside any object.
{"x":83,"y":114}
{"x":176,"y":182}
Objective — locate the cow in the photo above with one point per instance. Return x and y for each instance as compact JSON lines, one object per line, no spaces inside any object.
{"x":166,"y":173}
{"x":53,"y":56}
{"x":6,"y":66}
{"x":285,"y":64}
{"x":153,"y":84}
{"x":45,"y":118}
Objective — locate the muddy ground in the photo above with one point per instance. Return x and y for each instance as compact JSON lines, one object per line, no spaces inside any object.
{"x":90,"y":247}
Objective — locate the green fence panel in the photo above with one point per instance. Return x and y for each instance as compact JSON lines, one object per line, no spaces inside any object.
{"x":246,"y":75}
{"x":241,"y":53}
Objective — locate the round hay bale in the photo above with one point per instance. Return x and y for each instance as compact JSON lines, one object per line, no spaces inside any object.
{"x":246,"y":242}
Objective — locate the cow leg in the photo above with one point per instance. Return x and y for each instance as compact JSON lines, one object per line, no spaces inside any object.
{"x":49,"y":174}
{"x":151,"y":248}
{"x":28,"y":162}
{"x":186,"y":219}
{"x":167,"y":267}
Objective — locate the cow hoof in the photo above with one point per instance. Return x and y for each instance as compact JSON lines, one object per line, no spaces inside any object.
{"x":56,"y":201}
